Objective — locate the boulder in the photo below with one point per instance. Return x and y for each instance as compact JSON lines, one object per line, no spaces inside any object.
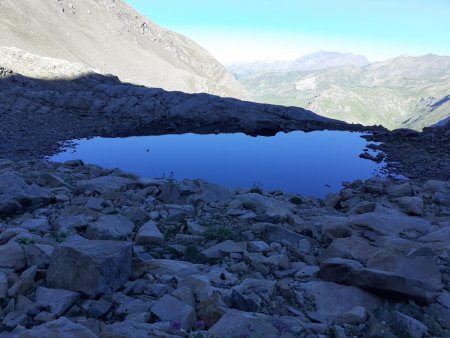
{"x":149,"y":234}
{"x":209,"y":193}
{"x":252,"y":294}
{"x":105,"y":184}
{"x":333,"y":301}
{"x":420,"y":268}
{"x":38,"y":254}
{"x":3,"y":286}
{"x":267,"y":207}
{"x":12,"y":256}
{"x":440,"y":235}
{"x":16,"y":194}
{"x":36,"y":224}
{"x":110,"y":227}
{"x":414,"y":328}
{"x":223,"y":249}
{"x":236,"y":323}
{"x":61,"y":327}
{"x":354,"y":247}
{"x":171,"y":309}
{"x":384,"y":283}
{"x":384,"y":223}
{"x":56,"y":301}
{"x":399,"y":190}
{"x":161,"y":267}
{"x":90,"y":267}
{"x":130,"y":329}
{"x":412,"y":205}
{"x":278,"y":233}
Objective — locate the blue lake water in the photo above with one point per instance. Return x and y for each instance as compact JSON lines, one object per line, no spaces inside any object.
{"x":311,"y":164}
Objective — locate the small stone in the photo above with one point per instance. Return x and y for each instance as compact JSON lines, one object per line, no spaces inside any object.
{"x":55,"y":300}
{"x":149,"y":234}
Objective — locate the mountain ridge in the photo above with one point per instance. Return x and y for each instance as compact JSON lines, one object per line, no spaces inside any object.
{"x":114,"y":38}
{"x":406,"y":91}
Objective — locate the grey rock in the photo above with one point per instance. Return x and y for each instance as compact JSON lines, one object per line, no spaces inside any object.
{"x":278,"y":233}
{"x":105,"y":184}
{"x":235,"y":323}
{"x":90,"y":267}
{"x":385,"y":283}
{"x":70,"y":222}
{"x":110,"y":227}
{"x":332,"y":301}
{"x":258,"y":246}
{"x":412,"y":205}
{"x":16,"y":195}
{"x":99,"y":308}
{"x":224,"y":249}
{"x":171,"y":309}
{"x":399,"y":190}
{"x":414,"y":328}
{"x":36,"y":224}
{"x":14,"y":319}
{"x":389,"y":224}
{"x":38,"y":254}
{"x":149,"y":234}
{"x":55,"y":300}
{"x":61,"y":327}
{"x":12,"y":256}
{"x":3,"y":286}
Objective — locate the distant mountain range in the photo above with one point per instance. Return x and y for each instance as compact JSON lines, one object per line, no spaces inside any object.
{"x":110,"y":36}
{"x":314,"y":61}
{"x":406,"y":91}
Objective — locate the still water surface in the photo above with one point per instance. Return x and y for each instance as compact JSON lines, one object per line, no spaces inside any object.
{"x":311,"y":164}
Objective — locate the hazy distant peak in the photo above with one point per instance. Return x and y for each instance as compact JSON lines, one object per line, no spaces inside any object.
{"x":310,"y":62}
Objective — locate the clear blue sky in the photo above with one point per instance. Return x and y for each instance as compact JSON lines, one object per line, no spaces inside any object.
{"x":248,"y":30}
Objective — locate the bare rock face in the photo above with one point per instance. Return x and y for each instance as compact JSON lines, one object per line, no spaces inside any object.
{"x":90,"y":267}
{"x":138,"y":50}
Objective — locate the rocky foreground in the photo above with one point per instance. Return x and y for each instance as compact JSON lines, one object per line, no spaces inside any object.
{"x":89,"y":252}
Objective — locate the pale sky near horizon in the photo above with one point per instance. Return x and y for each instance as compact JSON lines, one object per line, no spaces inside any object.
{"x":252,"y":30}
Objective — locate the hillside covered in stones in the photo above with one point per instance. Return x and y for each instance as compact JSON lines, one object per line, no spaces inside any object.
{"x":113,"y":38}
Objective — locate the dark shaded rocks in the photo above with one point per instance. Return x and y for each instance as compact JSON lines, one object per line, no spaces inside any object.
{"x":170,"y":308}
{"x":17,"y":195}
{"x":90,"y":267}
{"x":385,"y":283}
{"x":61,"y":327}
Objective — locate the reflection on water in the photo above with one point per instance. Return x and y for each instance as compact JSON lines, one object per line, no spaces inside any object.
{"x":311,"y":164}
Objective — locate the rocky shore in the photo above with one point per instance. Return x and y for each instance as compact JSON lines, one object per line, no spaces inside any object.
{"x":89,"y":252}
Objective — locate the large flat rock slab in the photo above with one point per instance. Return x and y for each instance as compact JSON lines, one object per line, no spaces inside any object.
{"x":90,"y":267}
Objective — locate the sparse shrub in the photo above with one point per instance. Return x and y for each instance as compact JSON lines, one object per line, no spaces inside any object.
{"x":222,"y":233}
{"x":296,"y":200}
{"x":25,"y":240}
{"x":192,"y":254}
{"x":256,"y":188}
